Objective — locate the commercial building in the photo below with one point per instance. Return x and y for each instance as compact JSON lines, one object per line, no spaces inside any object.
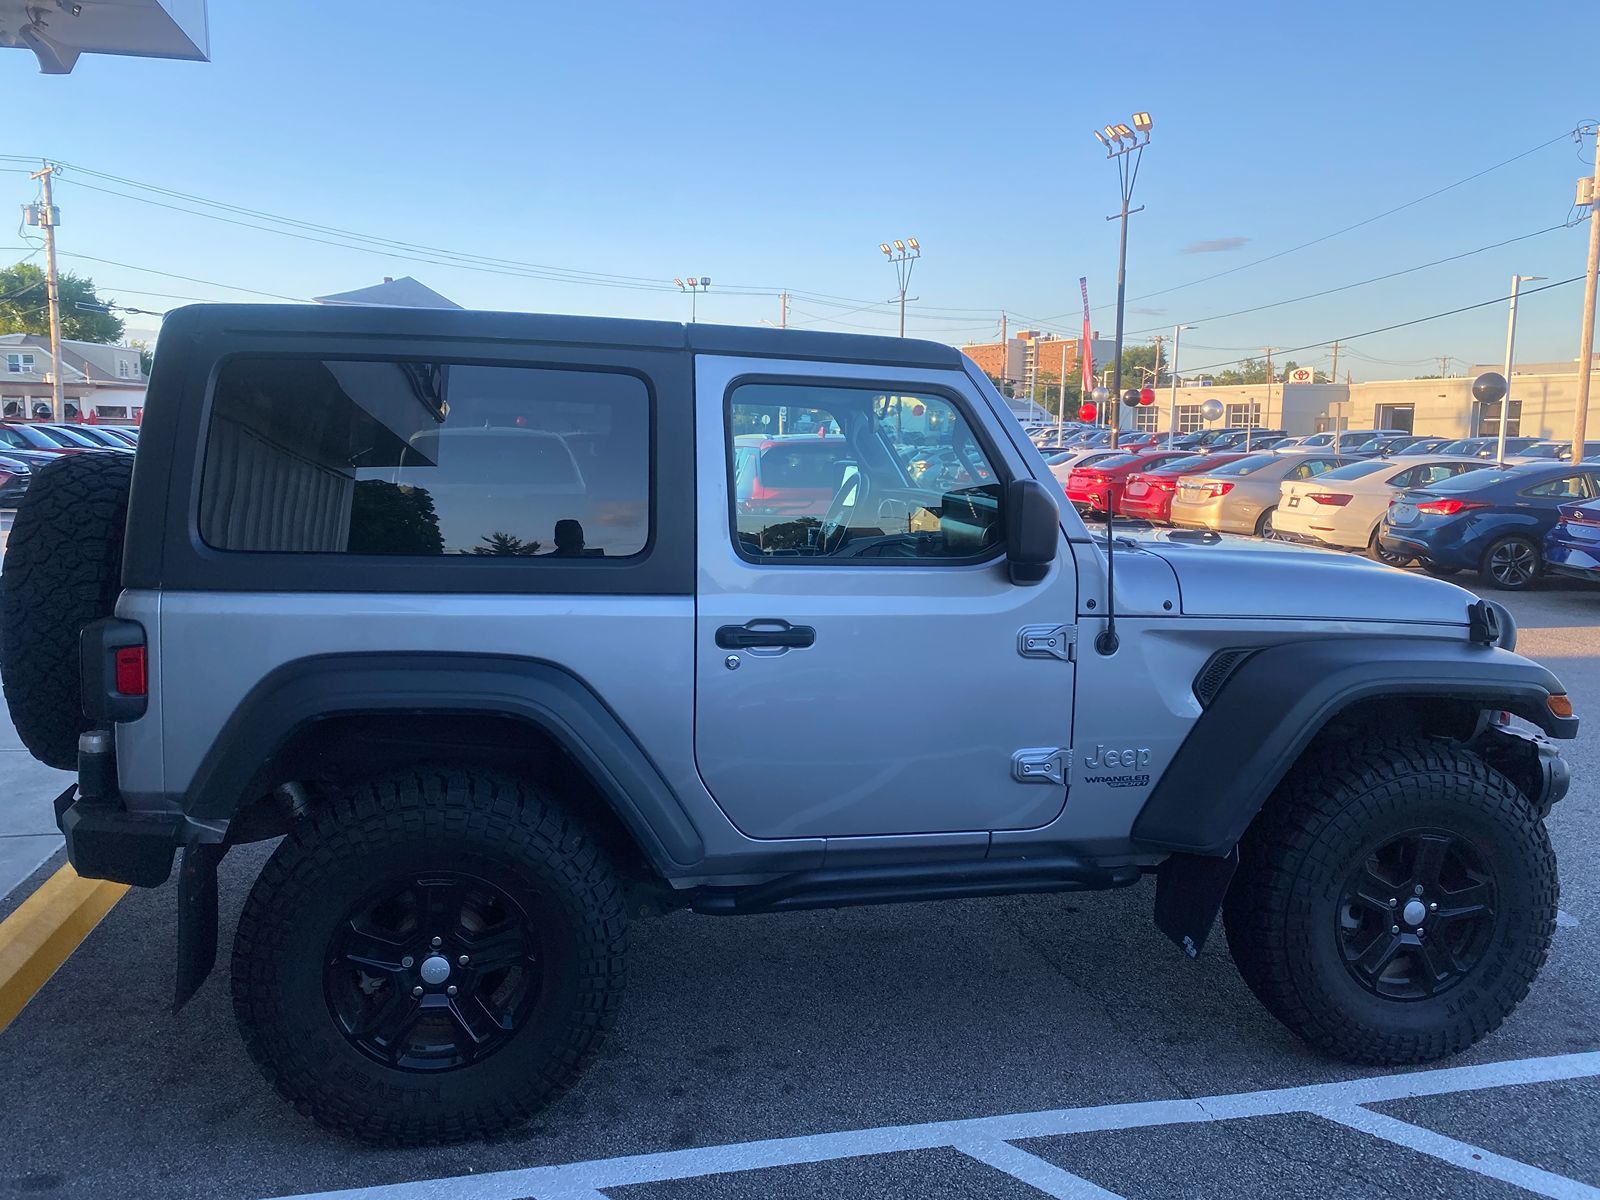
{"x":1542,"y":403}
{"x":1031,"y":360}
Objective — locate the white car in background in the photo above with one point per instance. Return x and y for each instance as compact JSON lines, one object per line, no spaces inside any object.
{"x":1344,"y":507}
{"x":1061,"y":465}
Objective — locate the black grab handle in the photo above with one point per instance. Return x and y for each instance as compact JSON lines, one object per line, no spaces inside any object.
{"x":766,"y":633}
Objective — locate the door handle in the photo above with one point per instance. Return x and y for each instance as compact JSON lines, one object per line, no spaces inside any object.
{"x":765,"y":632}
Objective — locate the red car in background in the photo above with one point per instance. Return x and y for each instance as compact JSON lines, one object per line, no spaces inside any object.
{"x":1099,"y":487}
{"x":1147,"y":494}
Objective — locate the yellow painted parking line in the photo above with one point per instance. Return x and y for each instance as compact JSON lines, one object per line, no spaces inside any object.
{"x":45,"y":929}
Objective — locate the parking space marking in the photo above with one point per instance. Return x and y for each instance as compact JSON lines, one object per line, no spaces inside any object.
{"x":45,"y":929}
{"x":1034,"y":1171}
{"x":1461,"y":1154}
{"x":985,"y":1134}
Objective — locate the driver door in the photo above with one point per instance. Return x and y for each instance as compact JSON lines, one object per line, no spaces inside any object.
{"x":857,"y":661}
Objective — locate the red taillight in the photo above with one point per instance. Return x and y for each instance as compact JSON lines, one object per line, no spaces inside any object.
{"x":1214,"y":489}
{"x":1337,"y":499}
{"x":1448,"y":508}
{"x":131,"y":679}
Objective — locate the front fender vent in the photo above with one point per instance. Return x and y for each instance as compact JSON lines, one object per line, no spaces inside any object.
{"x":1219,"y":667}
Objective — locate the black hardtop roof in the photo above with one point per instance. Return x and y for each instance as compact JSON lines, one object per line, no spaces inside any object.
{"x":322,"y":320}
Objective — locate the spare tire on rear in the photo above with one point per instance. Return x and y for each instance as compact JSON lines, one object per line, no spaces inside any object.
{"x":63,"y":569}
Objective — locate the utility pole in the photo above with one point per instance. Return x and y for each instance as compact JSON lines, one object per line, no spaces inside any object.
{"x":1061,"y":400}
{"x":1580,"y":418}
{"x":48,"y":219}
{"x":1250,"y":417}
{"x":783,"y":310}
{"x":1004,"y":354}
{"x":1333,"y":375}
{"x":1172,"y":408}
{"x":1155,"y":380}
{"x":1444,"y":366}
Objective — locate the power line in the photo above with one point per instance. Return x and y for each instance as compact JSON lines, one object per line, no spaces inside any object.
{"x":1348,"y":228}
{"x":1345,"y":287}
{"x":186,"y":278}
{"x":1398,"y":325}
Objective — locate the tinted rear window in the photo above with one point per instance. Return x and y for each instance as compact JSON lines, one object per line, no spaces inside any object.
{"x":409,"y":458}
{"x":1355,"y":470}
{"x":1117,"y":460}
{"x":1248,"y":466}
{"x":810,"y":465}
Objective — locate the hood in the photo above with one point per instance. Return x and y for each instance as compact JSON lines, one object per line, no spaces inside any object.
{"x":1227,"y":576}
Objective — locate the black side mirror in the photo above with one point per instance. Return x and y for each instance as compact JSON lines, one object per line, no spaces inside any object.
{"x":1033,"y":530}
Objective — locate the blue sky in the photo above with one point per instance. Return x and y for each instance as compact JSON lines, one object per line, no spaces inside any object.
{"x":775,"y":146}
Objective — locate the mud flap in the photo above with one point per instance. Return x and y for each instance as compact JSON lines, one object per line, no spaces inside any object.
{"x":197,"y":918}
{"x":1189,"y":892}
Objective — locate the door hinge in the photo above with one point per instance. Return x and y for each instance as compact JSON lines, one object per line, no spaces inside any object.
{"x":1047,"y":641}
{"x":1041,"y":764}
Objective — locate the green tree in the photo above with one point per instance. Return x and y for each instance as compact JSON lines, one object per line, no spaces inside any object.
{"x":24,"y":306}
{"x":503,"y":543}
{"x":146,"y":356}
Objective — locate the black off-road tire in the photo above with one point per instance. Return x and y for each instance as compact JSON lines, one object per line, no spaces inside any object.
{"x":1334,"y":810}
{"x":486,"y":825}
{"x":63,"y":569}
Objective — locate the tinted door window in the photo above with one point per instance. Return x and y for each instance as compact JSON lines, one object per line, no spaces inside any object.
{"x":858,"y":476}
{"x":1568,"y":487}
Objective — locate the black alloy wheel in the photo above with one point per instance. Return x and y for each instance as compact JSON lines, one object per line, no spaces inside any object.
{"x":1416,"y":917}
{"x":436,"y":972}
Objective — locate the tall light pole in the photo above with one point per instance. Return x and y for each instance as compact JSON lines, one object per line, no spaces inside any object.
{"x":1126,"y":146}
{"x":904,"y":255}
{"x":694,"y":285}
{"x":1172,"y":407}
{"x":1511,"y":341}
{"x":48,"y":216}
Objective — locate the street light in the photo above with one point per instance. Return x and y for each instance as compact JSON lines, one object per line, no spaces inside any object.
{"x":1177,"y":332}
{"x":694,"y":286}
{"x":1127,"y":147}
{"x":903,"y":255}
{"x":1511,"y":340}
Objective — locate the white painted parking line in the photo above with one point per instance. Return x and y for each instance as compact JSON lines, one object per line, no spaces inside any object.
{"x":1461,"y":1154}
{"x":1034,"y":1171}
{"x":1333,"y":1100}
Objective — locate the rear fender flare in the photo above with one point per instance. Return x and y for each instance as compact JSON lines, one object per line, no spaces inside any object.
{"x":541,"y":693}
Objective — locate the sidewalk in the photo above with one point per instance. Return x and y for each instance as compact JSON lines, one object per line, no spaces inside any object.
{"x":28,"y":832}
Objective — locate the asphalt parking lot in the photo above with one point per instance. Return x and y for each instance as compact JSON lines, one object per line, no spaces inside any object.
{"x":1053,"y":1045}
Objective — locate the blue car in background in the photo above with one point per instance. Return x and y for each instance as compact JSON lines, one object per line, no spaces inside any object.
{"x":1492,"y":521}
{"x":1573,"y":546}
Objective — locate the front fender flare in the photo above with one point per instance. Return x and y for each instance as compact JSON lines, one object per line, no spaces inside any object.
{"x":1274,"y":703}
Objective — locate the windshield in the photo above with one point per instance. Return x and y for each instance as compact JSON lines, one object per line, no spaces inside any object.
{"x":1356,"y":470}
{"x":1180,"y":466}
{"x":1117,"y":460}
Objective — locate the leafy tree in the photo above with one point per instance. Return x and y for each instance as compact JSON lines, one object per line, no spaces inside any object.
{"x":505,"y":544}
{"x":390,"y":518}
{"x":146,"y":356}
{"x":24,"y":306}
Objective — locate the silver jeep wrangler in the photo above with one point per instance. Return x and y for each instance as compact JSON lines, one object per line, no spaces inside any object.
{"x":515,"y":629}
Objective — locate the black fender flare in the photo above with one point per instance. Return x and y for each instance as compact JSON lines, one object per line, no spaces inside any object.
{"x":1279,"y":698}
{"x":305,"y":690}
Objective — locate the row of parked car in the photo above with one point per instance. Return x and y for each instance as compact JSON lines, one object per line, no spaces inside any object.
{"x":1436,"y":502}
{"x":25,"y":446}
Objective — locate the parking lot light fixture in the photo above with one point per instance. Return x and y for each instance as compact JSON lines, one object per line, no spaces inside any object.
{"x":903,"y":255}
{"x":1128,"y":152}
{"x":694,"y":285}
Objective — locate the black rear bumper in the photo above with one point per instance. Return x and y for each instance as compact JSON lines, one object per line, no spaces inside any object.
{"x":105,"y":841}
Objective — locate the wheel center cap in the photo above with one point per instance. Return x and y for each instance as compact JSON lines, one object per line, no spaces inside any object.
{"x":1414,"y":913}
{"x":436,"y":968}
